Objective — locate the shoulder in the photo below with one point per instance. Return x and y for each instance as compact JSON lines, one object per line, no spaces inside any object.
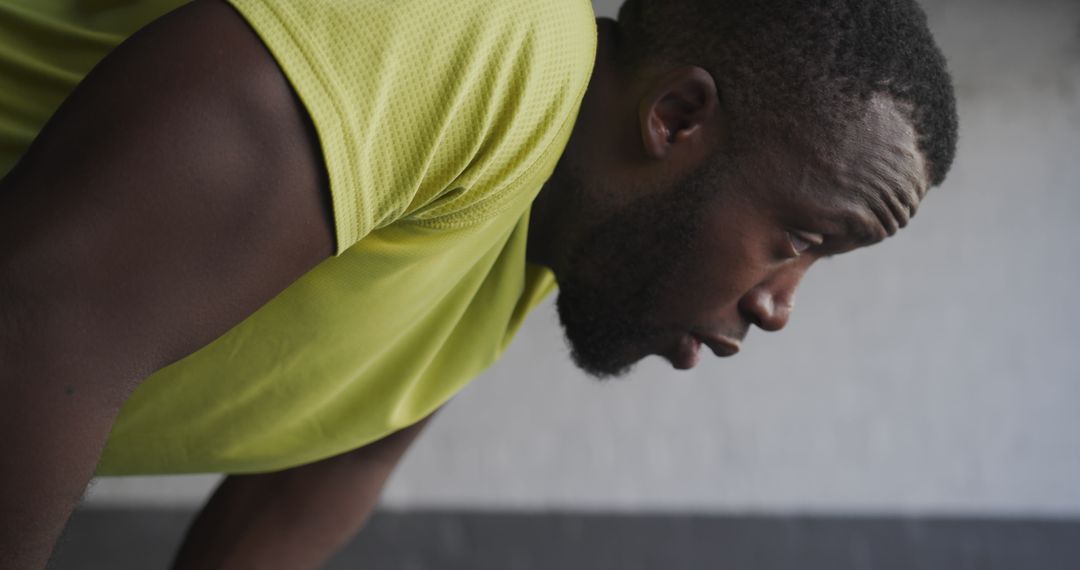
{"x":556,"y":30}
{"x":425,"y":108}
{"x":524,"y":67}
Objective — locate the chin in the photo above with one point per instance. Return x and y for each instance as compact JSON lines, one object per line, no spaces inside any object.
{"x":603,"y":370}
{"x":606,"y":329}
{"x":604,"y":356}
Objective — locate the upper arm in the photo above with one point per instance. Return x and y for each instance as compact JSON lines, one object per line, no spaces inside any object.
{"x":176,"y":190}
{"x":179,"y":188}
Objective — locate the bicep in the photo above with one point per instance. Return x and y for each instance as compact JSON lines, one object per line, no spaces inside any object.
{"x":179,"y":188}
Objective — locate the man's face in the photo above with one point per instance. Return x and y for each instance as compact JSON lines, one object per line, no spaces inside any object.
{"x":701,"y":260}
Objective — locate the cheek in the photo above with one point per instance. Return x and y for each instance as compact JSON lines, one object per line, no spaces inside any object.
{"x":709,"y":284}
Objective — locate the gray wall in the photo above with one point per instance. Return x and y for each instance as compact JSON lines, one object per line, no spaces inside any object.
{"x":937,"y":373}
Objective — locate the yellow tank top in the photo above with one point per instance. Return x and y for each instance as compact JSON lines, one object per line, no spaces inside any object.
{"x":439,"y":123}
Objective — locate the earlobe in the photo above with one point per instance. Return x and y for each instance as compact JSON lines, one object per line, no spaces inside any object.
{"x":660,"y":130}
{"x":676,"y":110}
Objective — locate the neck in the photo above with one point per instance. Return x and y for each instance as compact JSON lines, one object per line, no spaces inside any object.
{"x":547,"y":221}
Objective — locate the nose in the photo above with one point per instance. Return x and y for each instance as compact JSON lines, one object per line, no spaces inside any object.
{"x":768,"y":305}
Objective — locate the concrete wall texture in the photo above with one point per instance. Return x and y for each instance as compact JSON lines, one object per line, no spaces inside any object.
{"x":937,"y":373}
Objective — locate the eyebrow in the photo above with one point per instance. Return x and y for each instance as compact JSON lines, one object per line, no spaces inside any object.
{"x":879,"y":207}
{"x":864,"y":227}
{"x":892,"y":194}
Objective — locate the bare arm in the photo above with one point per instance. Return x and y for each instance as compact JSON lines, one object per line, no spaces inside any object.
{"x":178,"y":189}
{"x":297,"y":518}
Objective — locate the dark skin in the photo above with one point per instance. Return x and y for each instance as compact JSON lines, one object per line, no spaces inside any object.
{"x":127,"y":244}
{"x":294,"y":518}
{"x":765,"y":217}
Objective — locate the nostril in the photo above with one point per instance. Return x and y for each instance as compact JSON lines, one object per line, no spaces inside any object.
{"x":779,"y":318}
{"x":758,"y":308}
{"x":769,"y":304}
{"x":768,"y":315}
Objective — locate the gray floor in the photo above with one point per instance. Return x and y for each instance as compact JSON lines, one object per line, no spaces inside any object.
{"x":142,"y":539}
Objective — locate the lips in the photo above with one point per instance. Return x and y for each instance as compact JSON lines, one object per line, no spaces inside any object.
{"x":686,"y":354}
{"x":721,"y":346}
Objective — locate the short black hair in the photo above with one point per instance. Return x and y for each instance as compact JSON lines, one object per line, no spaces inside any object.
{"x":782,"y":62}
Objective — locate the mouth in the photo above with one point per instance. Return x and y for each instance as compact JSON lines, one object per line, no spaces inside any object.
{"x":687,"y":353}
{"x":721,"y":346}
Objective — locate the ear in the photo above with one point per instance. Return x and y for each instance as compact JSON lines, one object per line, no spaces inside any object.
{"x":677,"y":110}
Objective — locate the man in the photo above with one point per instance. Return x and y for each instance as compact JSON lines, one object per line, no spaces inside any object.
{"x":171,"y":301}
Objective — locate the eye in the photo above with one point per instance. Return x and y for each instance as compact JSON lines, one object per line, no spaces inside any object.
{"x":801,"y":242}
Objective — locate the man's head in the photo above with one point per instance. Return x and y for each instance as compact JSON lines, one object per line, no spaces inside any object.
{"x":722,"y":148}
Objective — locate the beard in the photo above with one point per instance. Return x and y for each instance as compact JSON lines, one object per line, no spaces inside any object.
{"x":621,"y":270}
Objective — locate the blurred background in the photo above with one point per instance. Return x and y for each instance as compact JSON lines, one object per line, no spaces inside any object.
{"x":922,"y":409}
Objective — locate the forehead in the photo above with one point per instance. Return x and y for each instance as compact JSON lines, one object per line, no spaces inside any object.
{"x":869,"y":169}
